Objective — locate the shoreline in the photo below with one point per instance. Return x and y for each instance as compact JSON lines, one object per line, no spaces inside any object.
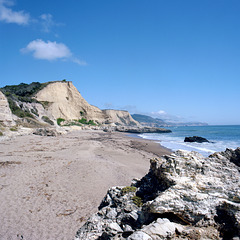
{"x":50,"y":185}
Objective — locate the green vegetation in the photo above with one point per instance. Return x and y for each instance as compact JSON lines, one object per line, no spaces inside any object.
{"x":24,"y":93}
{"x":128,"y":189}
{"x":16,"y":110}
{"x":137,"y":201}
{"x":1,"y":134}
{"x":84,"y":121}
{"x":59,"y":120}
{"x":47,"y":120}
{"x":13,"y":129}
{"x":45,"y":104}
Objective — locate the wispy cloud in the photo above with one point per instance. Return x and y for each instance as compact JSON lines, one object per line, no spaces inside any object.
{"x":47,"y":23}
{"x":10,"y":16}
{"x":50,"y":51}
{"x":166,"y":116}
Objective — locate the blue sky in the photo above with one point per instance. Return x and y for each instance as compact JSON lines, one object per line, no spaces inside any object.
{"x":169,"y":59}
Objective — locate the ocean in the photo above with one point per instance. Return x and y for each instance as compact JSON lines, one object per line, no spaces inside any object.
{"x":220,"y":137}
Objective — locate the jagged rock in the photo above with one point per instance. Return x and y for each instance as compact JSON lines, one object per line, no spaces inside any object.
{"x":184,"y":196}
{"x":141,"y":129}
{"x":46,"y":132}
{"x":233,"y":156}
{"x":195,"y":139}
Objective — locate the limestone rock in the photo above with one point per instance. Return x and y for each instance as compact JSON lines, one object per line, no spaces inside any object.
{"x":46,"y":132}
{"x":120,"y":117}
{"x":183,"y":196}
{"x":5,"y":113}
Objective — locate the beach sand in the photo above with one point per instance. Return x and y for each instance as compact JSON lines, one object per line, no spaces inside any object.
{"x":49,"y":186}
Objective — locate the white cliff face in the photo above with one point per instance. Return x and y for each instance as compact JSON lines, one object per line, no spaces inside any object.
{"x":5,"y":113}
{"x":64,"y":101}
{"x":121,"y":117}
{"x":184,"y":196}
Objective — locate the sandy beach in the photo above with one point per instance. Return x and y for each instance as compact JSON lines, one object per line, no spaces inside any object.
{"x":50,"y":185}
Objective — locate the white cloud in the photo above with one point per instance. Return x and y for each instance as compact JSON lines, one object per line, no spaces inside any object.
{"x":50,"y":51}
{"x":159,"y":113}
{"x":47,"y":50}
{"x":9,"y":16}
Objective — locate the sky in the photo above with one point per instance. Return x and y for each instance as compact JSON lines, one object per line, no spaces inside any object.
{"x":169,"y":59}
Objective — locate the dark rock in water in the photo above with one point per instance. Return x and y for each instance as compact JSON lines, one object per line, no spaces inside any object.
{"x":130,"y":129}
{"x":46,"y":132}
{"x":184,"y":196}
{"x":195,"y":139}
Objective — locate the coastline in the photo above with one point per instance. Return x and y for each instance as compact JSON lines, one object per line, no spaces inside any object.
{"x":50,"y":185}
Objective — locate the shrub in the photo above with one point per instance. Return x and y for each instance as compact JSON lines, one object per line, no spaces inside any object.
{"x":59,"y":120}
{"x":14,"y":129}
{"x":137,"y":201}
{"x":128,"y":189}
{"x":1,"y":134}
{"x":91,"y":122}
{"x":84,"y":121}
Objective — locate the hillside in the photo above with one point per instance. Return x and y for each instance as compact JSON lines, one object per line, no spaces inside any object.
{"x":55,"y":103}
{"x":156,"y":122}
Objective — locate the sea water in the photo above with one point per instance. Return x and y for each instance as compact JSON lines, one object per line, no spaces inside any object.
{"x":220,"y":137}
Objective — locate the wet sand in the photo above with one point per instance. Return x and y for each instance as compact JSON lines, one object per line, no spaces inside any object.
{"x":50,"y":185}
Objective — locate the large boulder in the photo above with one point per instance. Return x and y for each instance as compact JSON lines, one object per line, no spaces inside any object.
{"x":195,"y":139}
{"x":183,"y":196}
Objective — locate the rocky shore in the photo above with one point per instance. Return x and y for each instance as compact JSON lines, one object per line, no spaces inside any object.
{"x":183,"y":196}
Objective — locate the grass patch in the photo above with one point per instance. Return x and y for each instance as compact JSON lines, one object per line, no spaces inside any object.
{"x":13,"y":129}
{"x":84,"y":121}
{"x":137,"y":201}
{"x":128,"y":189}
{"x":1,"y":134}
{"x":59,"y":120}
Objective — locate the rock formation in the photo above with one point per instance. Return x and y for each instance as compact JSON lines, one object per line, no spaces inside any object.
{"x":64,"y":101}
{"x":195,"y":139}
{"x":5,"y":113}
{"x":183,"y":196}
{"x":120,"y":117}
{"x":141,"y":129}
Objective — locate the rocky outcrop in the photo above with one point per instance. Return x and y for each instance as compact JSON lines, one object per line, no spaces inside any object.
{"x":46,"y":132}
{"x":195,"y":139}
{"x":5,"y":113}
{"x":141,"y":129}
{"x":183,"y":196}
{"x":120,"y":117}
